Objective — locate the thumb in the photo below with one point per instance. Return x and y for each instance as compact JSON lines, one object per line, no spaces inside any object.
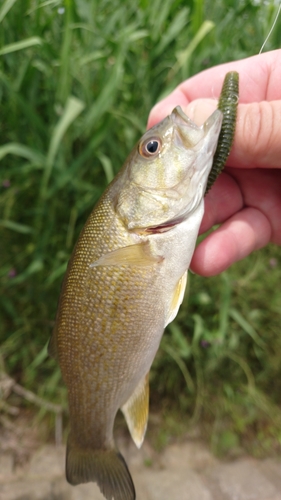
{"x":257,"y":134}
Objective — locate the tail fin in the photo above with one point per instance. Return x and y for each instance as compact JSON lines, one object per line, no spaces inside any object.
{"x":105,"y":467}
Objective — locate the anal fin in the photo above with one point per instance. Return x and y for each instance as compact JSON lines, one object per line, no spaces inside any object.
{"x":177,"y":298}
{"x":135,"y":411}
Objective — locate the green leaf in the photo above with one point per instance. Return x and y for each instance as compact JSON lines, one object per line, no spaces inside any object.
{"x":5,"y":8}
{"x":33,"y":268}
{"x":225,"y":299}
{"x":93,"y":56}
{"x":23,"y":105}
{"x":20,"y":150}
{"x":63,"y":84}
{"x":159,"y":11}
{"x":107,"y":167}
{"x":181,"y":364}
{"x":197,"y":16}
{"x":15,"y":226}
{"x":107,"y":94}
{"x":184,"y":55}
{"x":138,"y":35}
{"x":57,"y":273}
{"x":41,"y":356}
{"x":174,"y":29}
{"x":180,"y":341}
{"x":198,"y":329}
{"x":44,"y":4}
{"x":23,"y":44}
{"x":72,"y":109}
{"x":246,"y":326}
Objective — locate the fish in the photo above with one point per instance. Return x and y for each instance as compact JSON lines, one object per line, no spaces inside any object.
{"x":124,"y":284}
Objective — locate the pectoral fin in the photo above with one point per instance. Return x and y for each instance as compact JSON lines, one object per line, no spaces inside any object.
{"x":132,"y":255}
{"x":177,"y":298}
{"x":135,"y":411}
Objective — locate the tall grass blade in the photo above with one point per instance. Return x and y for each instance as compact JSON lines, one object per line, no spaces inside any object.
{"x":56,"y":274}
{"x":23,"y":104}
{"x":246,"y":326}
{"x":225,"y":298}
{"x":107,"y":167}
{"x":5,"y":8}
{"x":198,"y":329}
{"x":183,"y":56}
{"x":23,"y":44}
{"x":106,"y":96}
{"x":245,"y":367}
{"x":199,"y":392}
{"x":41,"y":356}
{"x":93,"y":56}
{"x":198,"y":16}
{"x":174,"y":29}
{"x":44,"y":4}
{"x":182,"y":366}
{"x":72,"y":109}
{"x":138,"y":35}
{"x":34,"y":267}
{"x":16,"y":226}
{"x":159,"y":12}
{"x":180,"y":341}
{"x":23,"y":151}
{"x":63,"y":88}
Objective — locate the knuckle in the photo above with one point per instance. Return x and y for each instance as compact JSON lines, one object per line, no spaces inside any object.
{"x":260,"y":130}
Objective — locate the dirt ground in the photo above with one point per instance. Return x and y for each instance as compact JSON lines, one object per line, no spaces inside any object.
{"x":185,"y":469}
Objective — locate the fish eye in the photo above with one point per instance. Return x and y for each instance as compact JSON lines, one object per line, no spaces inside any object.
{"x":150,"y":147}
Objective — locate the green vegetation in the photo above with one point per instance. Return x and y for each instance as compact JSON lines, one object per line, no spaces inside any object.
{"x":77,"y":81}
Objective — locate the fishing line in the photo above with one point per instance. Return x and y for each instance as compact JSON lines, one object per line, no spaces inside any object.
{"x":271,"y":29}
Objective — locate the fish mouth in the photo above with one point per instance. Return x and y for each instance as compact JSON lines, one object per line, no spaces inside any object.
{"x":186,"y":133}
{"x":179,"y":117}
{"x":165,"y":226}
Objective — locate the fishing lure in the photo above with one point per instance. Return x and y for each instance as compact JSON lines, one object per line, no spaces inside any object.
{"x":228,"y":103}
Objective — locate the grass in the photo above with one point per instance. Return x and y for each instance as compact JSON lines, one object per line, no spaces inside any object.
{"x":226,"y":346}
{"x":77,"y":81}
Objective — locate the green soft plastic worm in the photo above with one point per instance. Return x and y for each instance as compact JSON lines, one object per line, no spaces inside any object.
{"x":228,"y":102}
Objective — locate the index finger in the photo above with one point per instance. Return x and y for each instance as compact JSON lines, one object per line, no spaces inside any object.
{"x":260,"y":78}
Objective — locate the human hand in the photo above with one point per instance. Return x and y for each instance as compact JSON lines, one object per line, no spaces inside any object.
{"x":246,"y":198}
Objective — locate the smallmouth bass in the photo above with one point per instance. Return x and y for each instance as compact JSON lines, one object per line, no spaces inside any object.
{"x":124,"y":283}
